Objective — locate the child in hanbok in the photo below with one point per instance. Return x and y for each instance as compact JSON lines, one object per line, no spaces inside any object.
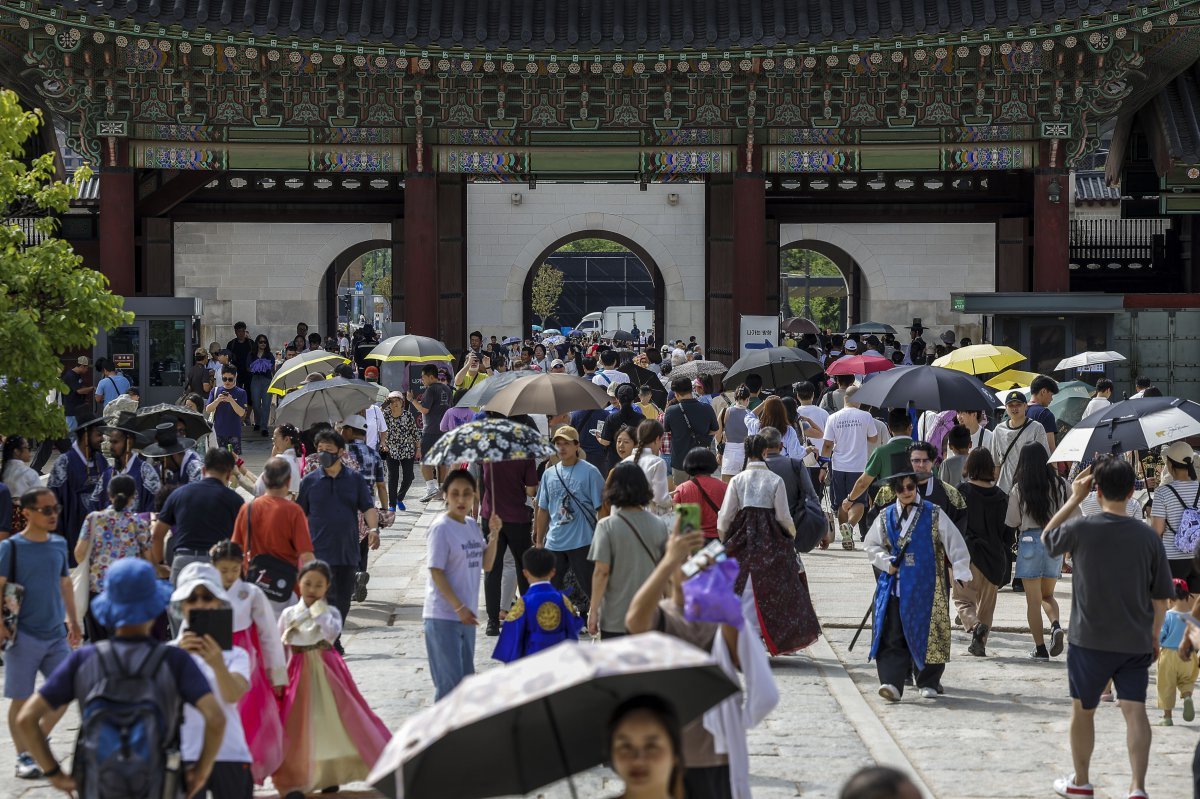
{"x":256,"y":631}
{"x":331,"y":735}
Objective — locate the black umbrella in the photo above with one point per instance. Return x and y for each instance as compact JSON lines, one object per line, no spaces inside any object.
{"x":798,"y":326}
{"x":878,"y":328}
{"x":1130,"y":425}
{"x":927,"y":388}
{"x":619,"y":335}
{"x":644,"y":377}
{"x":777,"y":366}
{"x":149,"y":418}
{"x":482,"y":392}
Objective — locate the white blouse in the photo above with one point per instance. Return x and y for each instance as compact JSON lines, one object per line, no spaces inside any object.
{"x":655,"y":469}
{"x":19,"y":478}
{"x":756,"y":486}
{"x":251,"y":607}
{"x":302,"y":625}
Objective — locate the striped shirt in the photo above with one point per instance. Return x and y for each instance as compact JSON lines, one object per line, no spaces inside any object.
{"x":1167,"y":506}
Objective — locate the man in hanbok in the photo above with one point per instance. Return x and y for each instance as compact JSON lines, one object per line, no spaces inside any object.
{"x":909,"y":543}
{"x":75,"y":475}
{"x":123,"y":443}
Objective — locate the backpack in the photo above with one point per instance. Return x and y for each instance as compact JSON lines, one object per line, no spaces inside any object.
{"x":1188,"y":534}
{"x":129,"y":731}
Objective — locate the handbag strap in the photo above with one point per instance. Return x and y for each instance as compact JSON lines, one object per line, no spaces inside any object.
{"x":249,"y":527}
{"x":1184,"y":505}
{"x":638,"y":535}
{"x":696,"y":482}
{"x":591,"y":514}
{"x":1013,"y":443}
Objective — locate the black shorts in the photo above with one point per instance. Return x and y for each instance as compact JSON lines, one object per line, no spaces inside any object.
{"x":428,"y":440}
{"x":1089,"y":670}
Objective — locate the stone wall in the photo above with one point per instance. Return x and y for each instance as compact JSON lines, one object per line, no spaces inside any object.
{"x":504,"y":240}
{"x":268,"y":276}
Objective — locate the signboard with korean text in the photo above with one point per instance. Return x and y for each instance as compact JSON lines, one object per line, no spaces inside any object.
{"x":758,"y":333}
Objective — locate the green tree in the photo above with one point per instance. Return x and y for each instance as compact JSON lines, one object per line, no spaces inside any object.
{"x":547,"y":289}
{"x":593,"y":245}
{"x":827,"y":311}
{"x":377,"y":272}
{"x":49,"y":302}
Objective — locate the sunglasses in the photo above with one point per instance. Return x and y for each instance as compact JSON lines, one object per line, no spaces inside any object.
{"x":49,"y":510}
{"x":227,"y":379}
{"x":907,"y":488}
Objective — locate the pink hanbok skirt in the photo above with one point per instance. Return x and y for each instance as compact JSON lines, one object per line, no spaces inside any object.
{"x":260,"y":711}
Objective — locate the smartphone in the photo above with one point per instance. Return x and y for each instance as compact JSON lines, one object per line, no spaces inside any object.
{"x":217,"y":622}
{"x":689,"y":516}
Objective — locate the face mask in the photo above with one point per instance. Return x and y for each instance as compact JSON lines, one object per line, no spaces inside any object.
{"x":327,"y":459}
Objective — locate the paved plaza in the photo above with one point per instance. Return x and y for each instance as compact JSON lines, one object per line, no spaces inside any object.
{"x":999,"y":731}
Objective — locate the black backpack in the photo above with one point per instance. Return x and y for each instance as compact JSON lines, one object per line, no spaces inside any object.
{"x":128,"y":745}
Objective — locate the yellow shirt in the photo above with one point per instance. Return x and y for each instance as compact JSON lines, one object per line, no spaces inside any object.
{"x":650,"y":410}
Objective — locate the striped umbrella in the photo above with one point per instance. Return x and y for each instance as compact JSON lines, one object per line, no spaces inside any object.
{"x":294,"y":370}
{"x":413,"y":349}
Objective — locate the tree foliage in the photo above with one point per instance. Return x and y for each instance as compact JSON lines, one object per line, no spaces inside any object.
{"x":377,"y":272}
{"x":49,"y":302}
{"x":547,"y":290}
{"x":593,"y":245}
{"x":827,"y":312}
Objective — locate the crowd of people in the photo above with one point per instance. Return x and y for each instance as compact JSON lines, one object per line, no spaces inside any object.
{"x":952,"y":507}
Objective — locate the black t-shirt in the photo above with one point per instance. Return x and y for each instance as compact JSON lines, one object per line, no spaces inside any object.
{"x":691,"y":423}
{"x":437,"y":399}
{"x":72,"y":401}
{"x":239,"y":353}
{"x":201,"y":514}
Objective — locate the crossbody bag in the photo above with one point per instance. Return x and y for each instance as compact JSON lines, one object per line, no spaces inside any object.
{"x":638,"y":536}
{"x":589,"y":513}
{"x":14,"y":594}
{"x":275,"y":576}
{"x":1013,"y":443}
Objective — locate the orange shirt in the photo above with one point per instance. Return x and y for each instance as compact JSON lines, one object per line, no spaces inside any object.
{"x":279,"y":529}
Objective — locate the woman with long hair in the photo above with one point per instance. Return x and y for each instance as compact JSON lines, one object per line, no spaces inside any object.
{"x":756,"y":526}
{"x":648,"y":458}
{"x":773,"y":413}
{"x":645,"y":748}
{"x":574,"y":360}
{"x":262,"y":366}
{"x":988,"y":542}
{"x":732,"y":430}
{"x":625,"y":414}
{"x":400,"y":446}
{"x":18,"y":475}
{"x":107,"y":536}
{"x":1037,"y":493}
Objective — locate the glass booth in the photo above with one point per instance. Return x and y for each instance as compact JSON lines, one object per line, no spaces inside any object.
{"x":155,"y":350}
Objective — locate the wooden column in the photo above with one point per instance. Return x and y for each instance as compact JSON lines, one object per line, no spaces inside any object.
{"x":720,"y":319}
{"x":1051,"y":225}
{"x":452,"y":261}
{"x":398,"y":284}
{"x":117,"y":231}
{"x":749,"y":237}
{"x":420,"y":251}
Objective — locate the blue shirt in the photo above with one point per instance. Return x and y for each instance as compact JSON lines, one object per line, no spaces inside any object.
{"x":1174,"y":628}
{"x":572,"y":521}
{"x":82,"y":669}
{"x":1043,"y":416}
{"x":201,"y":514}
{"x":111,"y":387}
{"x":332,"y":505}
{"x":41,"y":565}
{"x":226,"y":422}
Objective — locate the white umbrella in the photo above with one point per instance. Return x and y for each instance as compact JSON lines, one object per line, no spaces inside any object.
{"x":1089,"y":358}
{"x":1129,"y":425}
{"x":1000,"y":395}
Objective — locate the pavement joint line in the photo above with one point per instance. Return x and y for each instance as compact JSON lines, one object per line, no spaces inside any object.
{"x":870,"y":728}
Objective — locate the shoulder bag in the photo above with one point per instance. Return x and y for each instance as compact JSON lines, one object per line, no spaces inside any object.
{"x":275,"y":576}
{"x":808,"y":518}
{"x":14,"y":593}
{"x":81,"y":575}
{"x":590,"y":513}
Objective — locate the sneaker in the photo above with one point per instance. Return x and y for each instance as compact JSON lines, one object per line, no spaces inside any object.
{"x":1057,"y":636}
{"x":1189,"y":709}
{"x":1138,"y":794}
{"x":399,"y":507}
{"x":1040,"y":654}
{"x":431,"y":492}
{"x":978,"y":636}
{"x":889,"y":692}
{"x":1018,"y":586}
{"x":929,"y":693}
{"x":493,"y":628}
{"x":360,"y":586}
{"x":847,"y":536}
{"x":27,"y":768}
{"x":1065,"y":786}
{"x":1166,"y":722}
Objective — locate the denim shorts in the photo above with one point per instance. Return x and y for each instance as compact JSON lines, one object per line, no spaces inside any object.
{"x":1033,"y":561}
{"x":25,"y":658}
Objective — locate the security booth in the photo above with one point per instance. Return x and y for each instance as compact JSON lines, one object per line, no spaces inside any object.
{"x":156,"y":349}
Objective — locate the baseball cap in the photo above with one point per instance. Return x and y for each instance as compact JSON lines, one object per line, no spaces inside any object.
{"x":1181,"y":452}
{"x":556,"y":363}
{"x":355,"y":421}
{"x":82,"y":360}
{"x":851,"y":345}
{"x":395,"y":395}
{"x":371,"y":371}
{"x":567,"y":433}
{"x":1016,"y":396}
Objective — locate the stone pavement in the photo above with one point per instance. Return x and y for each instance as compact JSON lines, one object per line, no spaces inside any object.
{"x":999,"y":731}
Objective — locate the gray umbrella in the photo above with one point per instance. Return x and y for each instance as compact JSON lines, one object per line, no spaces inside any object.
{"x":878,"y":328}
{"x":777,"y":366}
{"x":481,"y":393}
{"x":325,"y":401}
{"x":693,"y":369}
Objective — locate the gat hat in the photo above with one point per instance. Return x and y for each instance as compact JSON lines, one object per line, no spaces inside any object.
{"x":851,"y":345}
{"x":355,"y":421}
{"x":192,"y":577}
{"x":567,"y":433}
{"x":948,"y":338}
{"x":1016,"y":396}
{"x":86,"y":418}
{"x":132,"y":594}
{"x":916,"y":324}
{"x":557,"y":362}
{"x":167,"y":442}
{"x":1180,"y":452}
{"x":371,"y":372}
{"x":900,"y":475}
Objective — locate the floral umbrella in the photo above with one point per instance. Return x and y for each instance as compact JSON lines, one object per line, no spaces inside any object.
{"x":487,"y":441}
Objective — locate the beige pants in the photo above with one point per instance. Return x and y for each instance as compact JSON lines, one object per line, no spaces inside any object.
{"x":1175,"y":675}
{"x":976,"y":601}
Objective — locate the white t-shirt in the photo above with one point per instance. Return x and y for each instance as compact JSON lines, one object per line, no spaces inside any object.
{"x":1095,"y":405}
{"x":457,"y":549}
{"x":848,"y":429}
{"x":818,"y":416}
{"x":233,"y":745}
{"x":376,"y":425}
{"x":981,"y":439}
{"x":609,"y":376}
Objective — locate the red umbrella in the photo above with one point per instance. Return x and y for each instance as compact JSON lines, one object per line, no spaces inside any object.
{"x":859,"y":365}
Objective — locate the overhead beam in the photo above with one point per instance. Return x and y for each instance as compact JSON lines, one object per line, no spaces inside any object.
{"x":175,"y":191}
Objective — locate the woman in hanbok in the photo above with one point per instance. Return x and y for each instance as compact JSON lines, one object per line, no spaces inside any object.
{"x":256,"y":631}
{"x":331,"y":736}
{"x":756,"y":526}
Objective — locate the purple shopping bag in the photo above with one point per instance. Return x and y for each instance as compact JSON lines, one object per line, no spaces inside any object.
{"x":709,"y":596}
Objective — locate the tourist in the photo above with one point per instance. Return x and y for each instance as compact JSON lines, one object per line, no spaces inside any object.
{"x":280,"y":528}
{"x":848,"y":435}
{"x":976,"y":424}
{"x":732,"y":432}
{"x":1101,"y":397}
{"x":645,"y":749}
{"x":646,"y":403}
{"x":1011,"y":436}
{"x":690,"y":424}
{"x":756,"y":525}
{"x":1036,"y":495}
{"x":1171,"y":501}
{"x":625,"y":413}
{"x":367,"y":462}
{"x":803,"y":505}
{"x":1176,"y":674}
{"x":74,"y":476}
{"x":629,"y":536}
{"x":505,"y":513}
{"x":227,"y":404}
{"x":914,"y":351}
{"x":988,"y":542}
{"x":817,"y":419}
{"x":1120,"y":588}
{"x":954,"y":462}
{"x":434,"y":403}
{"x":472,"y":372}
{"x":132,"y":600}
{"x":646,"y":456}
{"x":261,"y":368}
{"x":174,"y":457}
{"x":118,"y":531}
{"x":528,"y":628}
{"x":1141,"y":384}
{"x":939,"y":492}
{"x":228,"y":675}
{"x":1041,"y":394}
{"x":835,"y":400}
{"x":198,"y":515}
{"x":15,"y":471}
{"x":879,"y":782}
{"x":239,"y":348}
{"x":112,"y":385}
{"x":199,"y":378}
{"x":399,"y":446}
{"x":627,"y":441}
{"x":36,"y":558}
{"x":455,"y":547}
{"x":332,"y":735}
{"x":255,"y":630}
{"x":888,"y":458}
{"x":122,"y":441}
{"x":608,"y":373}
{"x":76,"y":397}
{"x":286,"y":443}
{"x":591,"y":422}
{"x":911,"y":629}
{"x":772,"y":412}
{"x":569,"y":495}
{"x":702,"y":488}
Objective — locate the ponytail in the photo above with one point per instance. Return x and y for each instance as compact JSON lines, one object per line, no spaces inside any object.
{"x":122,"y":491}
{"x":647,"y":432}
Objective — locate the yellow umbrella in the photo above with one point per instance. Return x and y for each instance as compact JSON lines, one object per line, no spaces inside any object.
{"x":293,"y":371}
{"x":1013,"y":378}
{"x":980,"y":359}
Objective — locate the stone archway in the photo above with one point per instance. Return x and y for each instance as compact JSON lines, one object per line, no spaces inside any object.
{"x":333,"y":277}
{"x":849,"y":268}
{"x":648,"y":262}
{"x":864,"y":276}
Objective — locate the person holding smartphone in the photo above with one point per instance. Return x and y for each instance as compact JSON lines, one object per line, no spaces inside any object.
{"x":227,"y":403}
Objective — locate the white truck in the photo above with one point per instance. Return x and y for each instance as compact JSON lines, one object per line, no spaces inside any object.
{"x":617,"y":317}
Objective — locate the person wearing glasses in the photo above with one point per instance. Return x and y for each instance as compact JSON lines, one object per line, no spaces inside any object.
{"x":227,"y":403}
{"x":910,"y":541}
{"x":36,"y":558}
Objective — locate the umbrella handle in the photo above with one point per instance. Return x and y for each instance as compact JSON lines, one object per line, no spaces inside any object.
{"x":558,"y":744}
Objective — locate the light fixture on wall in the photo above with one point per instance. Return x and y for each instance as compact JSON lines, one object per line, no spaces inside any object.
{"x":532,"y":182}
{"x":643,"y":184}
{"x":515,"y":199}
{"x":672,"y":199}
{"x":1054,"y":190}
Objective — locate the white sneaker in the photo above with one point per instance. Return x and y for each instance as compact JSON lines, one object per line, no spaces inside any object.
{"x":889,"y":692}
{"x":431,"y":492}
{"x":928,"y":693}
{"x":27,"y":768}
{"x":1065,"y":786}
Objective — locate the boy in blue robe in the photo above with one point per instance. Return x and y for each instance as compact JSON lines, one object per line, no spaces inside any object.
{"x":542,"y":617}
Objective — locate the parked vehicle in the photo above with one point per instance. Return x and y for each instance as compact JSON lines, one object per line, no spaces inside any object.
{"x":617,"y":317}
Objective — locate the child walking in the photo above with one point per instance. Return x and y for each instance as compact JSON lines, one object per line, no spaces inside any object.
{"x":456,"y":554}
{"x":542,"y":617}
{"x":256,"y":631}
{"x":332,"y":737}
{"x":1176,"y":674}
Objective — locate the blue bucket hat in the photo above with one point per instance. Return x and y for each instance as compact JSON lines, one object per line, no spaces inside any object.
{"x":132,"y":594}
